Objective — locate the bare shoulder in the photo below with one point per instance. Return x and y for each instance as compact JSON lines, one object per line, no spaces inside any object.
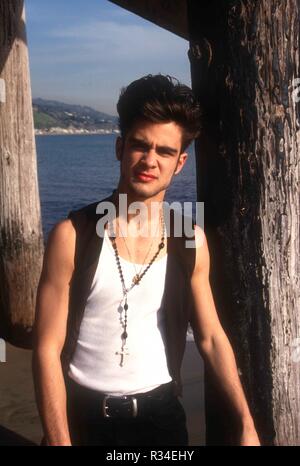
{"x":196,"y":252}
{"x":60,"y":249}
{"x":62,"y":231}
{"x":202,"y":252}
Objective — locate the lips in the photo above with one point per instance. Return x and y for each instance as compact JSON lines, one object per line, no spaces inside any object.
{"x":143,"y":176}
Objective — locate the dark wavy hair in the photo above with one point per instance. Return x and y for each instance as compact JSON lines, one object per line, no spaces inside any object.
{"x":160,"y":99}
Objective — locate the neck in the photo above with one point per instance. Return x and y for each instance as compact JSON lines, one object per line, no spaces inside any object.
{"x":151,"y":207}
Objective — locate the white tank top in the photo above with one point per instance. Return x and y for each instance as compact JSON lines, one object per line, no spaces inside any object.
{"x":95,"y":363}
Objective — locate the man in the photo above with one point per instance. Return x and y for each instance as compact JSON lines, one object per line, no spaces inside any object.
{"x":113,"y":308}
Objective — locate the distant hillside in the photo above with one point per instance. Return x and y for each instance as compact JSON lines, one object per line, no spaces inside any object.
{"x":53,"y":116}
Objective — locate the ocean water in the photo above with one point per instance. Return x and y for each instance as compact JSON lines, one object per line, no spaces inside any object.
{"x":76,"y":170}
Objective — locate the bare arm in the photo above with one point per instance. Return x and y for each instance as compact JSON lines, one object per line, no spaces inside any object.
{"x":50,"y":332}
{"x":213,"y":343}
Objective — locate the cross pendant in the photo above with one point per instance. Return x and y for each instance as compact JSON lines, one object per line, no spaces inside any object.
{"x":122,"y":353}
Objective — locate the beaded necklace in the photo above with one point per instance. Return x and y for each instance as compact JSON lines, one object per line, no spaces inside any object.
{"x":135,"y":281}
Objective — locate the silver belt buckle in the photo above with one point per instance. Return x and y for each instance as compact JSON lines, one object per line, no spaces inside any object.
{"x":105,"y":408}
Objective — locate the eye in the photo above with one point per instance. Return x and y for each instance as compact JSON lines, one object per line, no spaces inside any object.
{"x":165,"y":153}
{"x":139,"y":147}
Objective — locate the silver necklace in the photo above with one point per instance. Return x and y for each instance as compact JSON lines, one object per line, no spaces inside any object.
{"x":136,"y":280}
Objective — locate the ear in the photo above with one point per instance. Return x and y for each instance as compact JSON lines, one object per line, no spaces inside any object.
{"x":119,"y":147}
{"x":180,"y":163}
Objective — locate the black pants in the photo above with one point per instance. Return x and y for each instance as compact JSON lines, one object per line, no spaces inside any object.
{"x":162,"y":421}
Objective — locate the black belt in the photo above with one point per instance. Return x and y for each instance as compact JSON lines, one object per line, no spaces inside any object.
{"x":126,"y":406}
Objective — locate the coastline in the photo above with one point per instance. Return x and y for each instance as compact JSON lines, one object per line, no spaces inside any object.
{"x":73,"y":131}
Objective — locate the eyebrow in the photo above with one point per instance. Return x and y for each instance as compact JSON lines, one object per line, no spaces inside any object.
{"x":145,"y":143}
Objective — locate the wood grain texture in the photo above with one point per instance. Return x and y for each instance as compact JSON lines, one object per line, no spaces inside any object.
{"x":249,"y":181}
{"x":21,"y":241}
{"x":277,"y":152}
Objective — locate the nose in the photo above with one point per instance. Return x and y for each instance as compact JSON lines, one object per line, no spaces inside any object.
{"x":149,"y":158}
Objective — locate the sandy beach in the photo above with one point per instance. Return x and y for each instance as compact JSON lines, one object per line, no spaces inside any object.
{"x":19,"y":419}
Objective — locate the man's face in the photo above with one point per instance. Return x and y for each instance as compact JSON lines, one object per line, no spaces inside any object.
{"x":150,"y":156}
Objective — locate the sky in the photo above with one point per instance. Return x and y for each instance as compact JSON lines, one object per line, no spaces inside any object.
{"x":85,"y":51}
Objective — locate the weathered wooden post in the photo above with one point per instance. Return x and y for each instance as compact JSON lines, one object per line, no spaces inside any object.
{"x":21,"y":240}
{"x":244,"y":59}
